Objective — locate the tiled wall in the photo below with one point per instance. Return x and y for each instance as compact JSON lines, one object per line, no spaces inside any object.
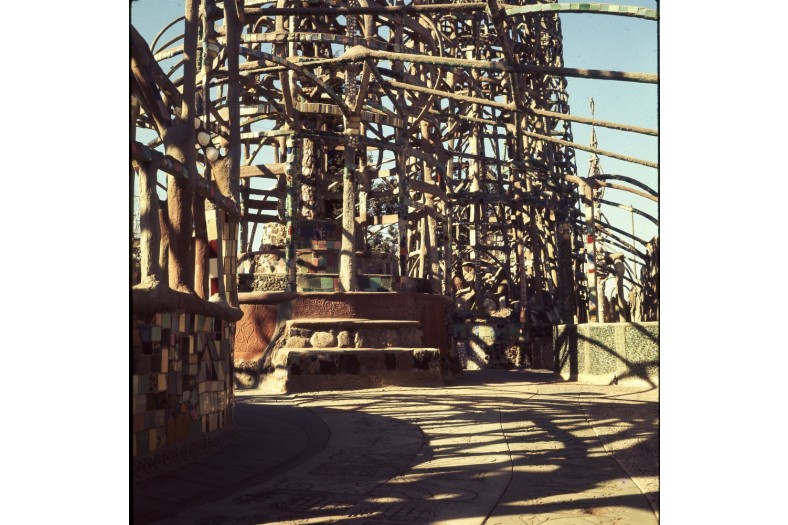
{"x":318,"y":261}
{"x":229,"y":250}
{"x":317,"y":272}
{"x":621,"y":353}
{"x":181,"y":380}
{"x":330,"y":283}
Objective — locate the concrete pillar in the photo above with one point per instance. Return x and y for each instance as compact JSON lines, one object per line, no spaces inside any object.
{"x":590,"y":246}
{"x":150,"y":235}
{"x":347,"y":255}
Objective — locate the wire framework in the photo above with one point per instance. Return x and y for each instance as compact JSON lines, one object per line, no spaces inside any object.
{"x":429,"y":142}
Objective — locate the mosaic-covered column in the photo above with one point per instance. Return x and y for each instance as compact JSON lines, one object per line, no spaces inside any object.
{"x":590,"y":249}
{"x":401,"y":164}
{"x":402,"y":212}
{"x":291,"y":210}
{"x":347,"y":255}
{"x":431,"y":264}
{"x":229,"y":242}
{"x":220,"y":253}
{"x":448,"y":228}
{"x":623,"y":307}
{"x":309,"y":181}
{"x":565,"y":273}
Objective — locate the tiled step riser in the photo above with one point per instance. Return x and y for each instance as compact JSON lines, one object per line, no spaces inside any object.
{"x":360,"y":362}
{"x":305,"y":370}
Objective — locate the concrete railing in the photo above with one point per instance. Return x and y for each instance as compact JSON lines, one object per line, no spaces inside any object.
{"x":621,"y":353}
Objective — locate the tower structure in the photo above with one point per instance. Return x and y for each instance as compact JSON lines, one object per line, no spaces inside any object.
{"x":388,"y":146}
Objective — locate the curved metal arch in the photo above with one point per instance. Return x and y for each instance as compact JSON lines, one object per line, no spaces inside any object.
{"x":262,"y":55}
{"x":584,"y":7}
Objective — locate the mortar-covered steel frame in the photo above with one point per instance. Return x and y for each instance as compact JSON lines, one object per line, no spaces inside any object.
{"x":445,"y":124}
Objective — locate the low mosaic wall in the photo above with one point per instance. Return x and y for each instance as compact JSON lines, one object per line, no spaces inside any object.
{"x":181,"y":390}
{"x":609,"y":353}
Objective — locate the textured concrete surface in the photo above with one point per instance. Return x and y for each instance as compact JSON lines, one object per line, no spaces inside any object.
{"x":623,"y":353}
{"x":497,"y":447}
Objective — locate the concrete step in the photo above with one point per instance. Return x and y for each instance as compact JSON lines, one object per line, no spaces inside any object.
{"x":315,"y":323}
{"x":317,"y":369}
{"x":352,"y":333}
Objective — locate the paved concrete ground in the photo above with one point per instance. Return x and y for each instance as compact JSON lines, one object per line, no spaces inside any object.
{"x":495,"y":447}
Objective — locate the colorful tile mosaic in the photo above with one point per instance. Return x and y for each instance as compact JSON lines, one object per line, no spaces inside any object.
{"x":180,"y":372}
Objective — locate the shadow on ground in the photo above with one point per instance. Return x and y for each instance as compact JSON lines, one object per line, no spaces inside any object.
{"x":494,"y":447}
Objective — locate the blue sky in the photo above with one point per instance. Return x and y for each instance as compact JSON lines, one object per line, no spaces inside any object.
{"x":617,"y":43}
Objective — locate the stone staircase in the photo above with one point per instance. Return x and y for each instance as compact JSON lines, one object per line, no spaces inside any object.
{"x":316,"y":354}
